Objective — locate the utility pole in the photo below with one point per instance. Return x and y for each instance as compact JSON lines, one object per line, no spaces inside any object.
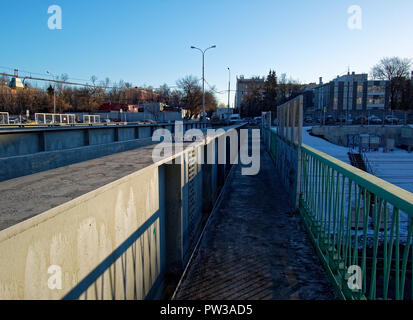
{"x":203,"y":78}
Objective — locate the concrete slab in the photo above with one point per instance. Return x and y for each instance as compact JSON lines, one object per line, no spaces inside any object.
{"x":28,"y":196}
{"x":25,"y":197}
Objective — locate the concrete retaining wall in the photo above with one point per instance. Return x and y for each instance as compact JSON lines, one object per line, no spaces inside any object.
{"x":14,"y":167}
{"x":339,"y":135}
{"x":18,"y":141}
{"x":116,"y":242}
{"x":28,"y":151}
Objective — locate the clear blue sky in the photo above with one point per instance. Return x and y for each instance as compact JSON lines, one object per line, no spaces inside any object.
{"x":148,"y":42}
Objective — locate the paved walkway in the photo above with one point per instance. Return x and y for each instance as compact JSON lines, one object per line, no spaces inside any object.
{"x":254,"y":247}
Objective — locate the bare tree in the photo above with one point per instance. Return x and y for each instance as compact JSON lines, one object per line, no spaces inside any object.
{"x":191,"y":96}
{"x":391,"y":68}
{"x":396,"y":70}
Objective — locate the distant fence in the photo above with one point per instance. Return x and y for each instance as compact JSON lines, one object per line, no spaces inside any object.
{"x":4,"y":118}
{"x":91,"y":119}
{"x":361,"y":226}
{"x":50,"y":118}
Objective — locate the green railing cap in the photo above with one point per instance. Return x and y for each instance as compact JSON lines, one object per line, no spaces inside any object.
{"x":399,"y":197}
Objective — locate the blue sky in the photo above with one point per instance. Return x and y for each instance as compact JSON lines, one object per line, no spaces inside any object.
{"x":148,"y":42}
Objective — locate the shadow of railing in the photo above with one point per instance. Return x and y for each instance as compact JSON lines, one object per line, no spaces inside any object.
{"x":146,"y":281}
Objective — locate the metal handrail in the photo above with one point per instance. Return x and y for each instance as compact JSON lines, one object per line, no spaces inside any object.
{"x":355,"y":220}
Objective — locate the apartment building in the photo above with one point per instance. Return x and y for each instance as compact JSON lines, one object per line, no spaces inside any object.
{"x":352,"y":92}
{"x":245,"y":86}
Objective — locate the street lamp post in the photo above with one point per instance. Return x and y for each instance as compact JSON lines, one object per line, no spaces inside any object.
{"x":229,"y":87}
{"x":203,"y":78}
{"x":54,"y":94}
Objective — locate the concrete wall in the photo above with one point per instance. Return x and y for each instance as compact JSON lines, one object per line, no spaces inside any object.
{"x":339,"y":135}
{"x":18,"y":142}
{"x":140,"y":116}
{"x":14,"y":167}
{"x":116,"y":242}
{"x":28,"y":151}
{"x":99,"y":236}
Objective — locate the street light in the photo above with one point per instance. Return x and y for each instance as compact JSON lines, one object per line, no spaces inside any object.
{"x":54,"y":94}
{"x":203,"y":77}
{"x":229,"y":86}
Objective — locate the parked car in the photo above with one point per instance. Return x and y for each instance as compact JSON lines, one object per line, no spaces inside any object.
{"x":330,"y":120}
{"x":391,"y":120}
{"x":308,"y":119}
{"x":360,"y":120}
{"x":374,"y":120}
{"x":341,"y":119}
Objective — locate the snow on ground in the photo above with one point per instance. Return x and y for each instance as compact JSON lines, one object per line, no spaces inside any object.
{"x":395,"y":167}
{"x":322,"y":145}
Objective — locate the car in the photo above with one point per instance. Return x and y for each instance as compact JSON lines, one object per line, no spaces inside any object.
{"x":374,"y":120}
{"x":391,"y":120}
{"x":235,"y":118}
{"x":330,"y":120}
{"x":308,"y":119}
{"x":341,"y":119}
{"x":258,"y":120}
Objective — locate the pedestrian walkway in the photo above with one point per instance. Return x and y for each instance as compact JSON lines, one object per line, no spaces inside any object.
{"x":255,"y":247}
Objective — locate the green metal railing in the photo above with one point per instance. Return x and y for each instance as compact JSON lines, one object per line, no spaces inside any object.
{"x":356,"y":220}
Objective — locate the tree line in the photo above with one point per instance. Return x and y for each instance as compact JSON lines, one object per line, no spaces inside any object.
{"x":186,"y":95}
{"x":266,"y":95}
{"x":263,"y":96}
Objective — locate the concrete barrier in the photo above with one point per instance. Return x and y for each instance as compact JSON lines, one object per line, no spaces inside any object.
{"x":117,"y":241}
{"x":340,"y":135}
{"x":28,"y":151}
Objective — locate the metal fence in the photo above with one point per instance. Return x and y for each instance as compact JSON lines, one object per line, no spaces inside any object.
{"x":360,"y":225}
{"x":356,"y":219}
{"x":4,"y":118}
{"x":91,"y":119}
{"x":50,"y":118}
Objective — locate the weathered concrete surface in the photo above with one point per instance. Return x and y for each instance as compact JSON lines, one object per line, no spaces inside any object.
{"x":339,"y":135}
{"x":25,"y":197}
{"x":14,"y":167}
{"x":25,"y":151}
{"x":254,"y":247}
{"x":99,"y":225}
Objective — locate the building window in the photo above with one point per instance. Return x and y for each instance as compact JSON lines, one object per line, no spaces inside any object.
{"x":377,"y":88}
{"x":375,"y":100}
